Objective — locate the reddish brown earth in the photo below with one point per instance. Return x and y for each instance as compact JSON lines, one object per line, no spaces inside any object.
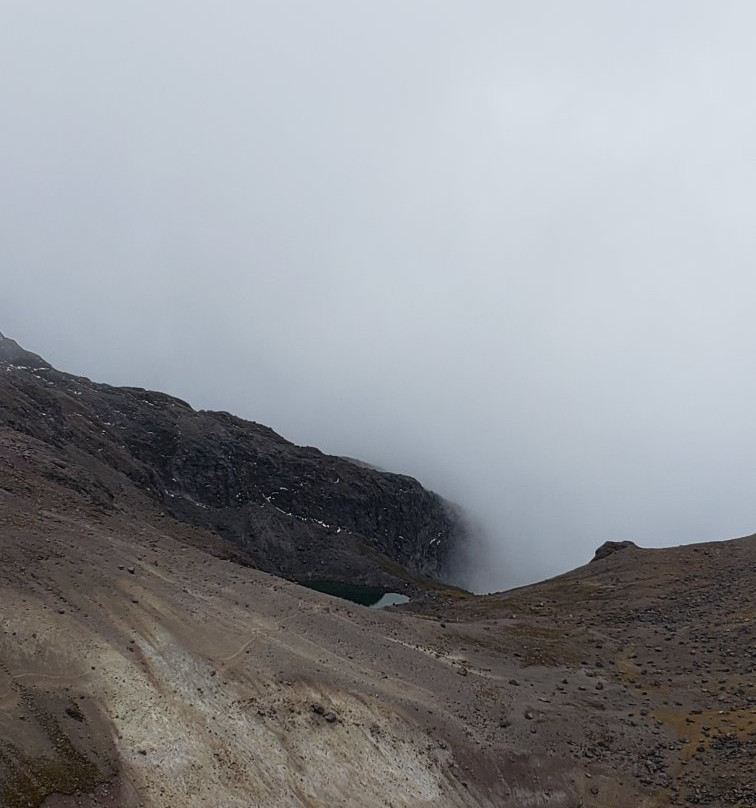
{"x":138,"y":667}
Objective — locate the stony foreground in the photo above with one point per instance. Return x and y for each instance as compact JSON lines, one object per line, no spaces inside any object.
{"x":139,"y":668}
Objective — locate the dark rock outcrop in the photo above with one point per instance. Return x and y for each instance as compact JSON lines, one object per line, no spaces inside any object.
{"x":292,"y":510}
{"x":609,"y":547}
{"x":12,"y":353}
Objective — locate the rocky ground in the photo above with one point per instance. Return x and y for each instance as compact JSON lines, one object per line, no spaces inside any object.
{"x":137,"y":668}
{"x":673,"y":632}
{"x":141,"y":664}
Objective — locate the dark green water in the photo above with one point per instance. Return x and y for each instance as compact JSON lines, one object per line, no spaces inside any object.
{"x":364,"y":595}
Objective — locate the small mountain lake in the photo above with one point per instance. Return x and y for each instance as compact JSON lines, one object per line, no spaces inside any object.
{"x":371,"y":596}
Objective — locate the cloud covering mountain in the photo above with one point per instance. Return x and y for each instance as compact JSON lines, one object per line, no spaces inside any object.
{"x":505,"y":249}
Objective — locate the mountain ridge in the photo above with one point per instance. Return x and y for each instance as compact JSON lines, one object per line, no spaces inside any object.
{"x":291,"y":510}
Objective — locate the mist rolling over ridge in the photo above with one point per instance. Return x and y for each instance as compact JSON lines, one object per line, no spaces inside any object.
{"x":506,"y":250}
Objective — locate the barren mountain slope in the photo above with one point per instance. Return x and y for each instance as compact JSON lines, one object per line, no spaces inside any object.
{"x":675,"y":630}
{"x":141,"y":666}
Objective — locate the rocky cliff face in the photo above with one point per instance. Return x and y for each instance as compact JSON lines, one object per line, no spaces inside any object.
{"x":289,"y":509}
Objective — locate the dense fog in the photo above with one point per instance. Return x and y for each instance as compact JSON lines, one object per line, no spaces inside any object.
{"x":507,"y":248}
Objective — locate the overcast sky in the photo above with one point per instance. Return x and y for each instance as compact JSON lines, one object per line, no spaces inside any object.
{"x":506,"y":247}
